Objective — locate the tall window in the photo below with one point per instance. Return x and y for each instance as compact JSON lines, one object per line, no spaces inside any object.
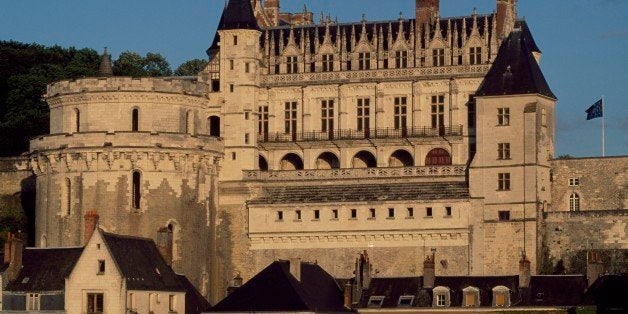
{"x":327,"y":115}
{"x":440,"y":300}
{"x":401,"y":113}
{"x":503,"y":116}
{"x":438,"y":112}
{"x":171,"y":304}
{"x":292,"y":63}
{"x":189,"y":122}
{"x":290,"y":118}
{"x":574,"y":202}
{"x":475,"y":55}
{"x":364,"y":61}
{"x":137,"y":192}
{"x":438,"y":57}
{"x":32,"y":302}
{"x":95,"y":303}
{"x":263,"y":120}
{"x":328,"y":62}
{"x":364,"y":115}
{"x":135,"y":120}
{"x":68,"y":197}
{"x":503,"y":151}
{"x":503,"y":181}
{"x":401,"y":59}
{"x":213,"y":127}
{"x":471,"y":111}
{"x":77,"y":120}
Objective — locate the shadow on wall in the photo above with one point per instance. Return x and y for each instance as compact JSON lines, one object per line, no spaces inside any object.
{"x":27,"y":200}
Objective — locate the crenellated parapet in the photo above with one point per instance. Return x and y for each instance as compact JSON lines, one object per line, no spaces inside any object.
{"x":127,"y":84}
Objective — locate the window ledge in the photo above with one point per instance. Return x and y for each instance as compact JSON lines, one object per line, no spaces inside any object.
{"x":390,"y":218}
{"x":448,"y":217}
{"x":279,"y":220}
{"x":316,"y":220}
{"x":333,"y":219}
{"x":428,"y":217}
{"x":353,"y":218}
{"x":370,"y":218}
{"x":410,"y":217}
{"x":297,"y":220}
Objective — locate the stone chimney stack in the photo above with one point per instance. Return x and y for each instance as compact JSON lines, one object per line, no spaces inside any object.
{"x":271,"y":8}
{"x":15,"y":259}
{"x":595,"y":266}
{"x":237,"y":283}
{"x":426,"y":11}
{"x":7,"y":248}
{"x":366,"y":271}
{"x":164,"y":244}
{"x":347,"y":291}
{"x":91,"y":223}
{"x":506,"y":15}
{"x":429,"y":271}
{"x":105,"y":69}
{"x":525,"y":272}
{"x":295,"y":268}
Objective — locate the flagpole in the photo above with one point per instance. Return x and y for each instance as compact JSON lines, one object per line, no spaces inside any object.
{"x":603,"y":129}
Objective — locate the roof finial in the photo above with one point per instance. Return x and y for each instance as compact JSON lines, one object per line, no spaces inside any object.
{"x":105,"y":69}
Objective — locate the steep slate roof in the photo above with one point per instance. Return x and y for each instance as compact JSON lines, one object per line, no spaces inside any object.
{"x":608,"y":292}
{"x":141,"y":263}
{"x":194,"y":301}
{"x":364,"y":192}
{"x":238,"y":14}
{"x":556,"y":290}
{"x":275,"y":289}
{"x":393,"y":288}
{"x":46,"y":269}
{"x":515,"y":70}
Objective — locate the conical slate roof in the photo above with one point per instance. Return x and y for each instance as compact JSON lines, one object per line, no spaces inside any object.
{"x":105,"y":69}
{"x":238,"y":14}
{"x":515,"y":70}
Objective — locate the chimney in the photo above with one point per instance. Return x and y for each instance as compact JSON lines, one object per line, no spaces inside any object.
{"x":7,"y":248}
{"x":362,"y":276}
{"x":366,"y":271}
{"x":525,"y":273}
{"x":91,"y":222}
{"x":429,"y":270}
{"x":271,"y":8}
{"x":595,"y":266}
{"x":164,"y":244}
{"x":295,"y":268}
{"x":237,"y":283}
{"x":15,"y":260}
{"x":347,"y":295}
{"x":105,"y":70}
{"x":506,"y":15}
{"x":426,"y":11}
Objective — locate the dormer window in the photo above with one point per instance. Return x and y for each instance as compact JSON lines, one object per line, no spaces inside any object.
{"x":501,"y":296}
{"x":441,"y":297}
{"x":328,"y":62}
{"x":438,"y":57}
{"x":475,"y":55}
{"x":471,"y":297}
{"x":375,"y":301}
{"x":292,"y":64}
{"x":405,"y":301}
{"x":364,"y":61}
{"x":401,"y":59}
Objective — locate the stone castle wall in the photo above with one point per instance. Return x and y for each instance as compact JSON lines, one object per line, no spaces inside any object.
{"x":14,"y":173}
{"x":566,"y":235}
{"x":603,"y":183}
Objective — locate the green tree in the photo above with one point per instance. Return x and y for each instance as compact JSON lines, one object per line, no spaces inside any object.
{"x":191,"y":67}
{"x":12,"y":217}
{"x":129,"y":64}
{"x":156,"y":65}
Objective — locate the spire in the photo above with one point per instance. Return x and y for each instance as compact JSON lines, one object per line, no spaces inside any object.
{"x":105,"y":69}
{"x":238,"y":14}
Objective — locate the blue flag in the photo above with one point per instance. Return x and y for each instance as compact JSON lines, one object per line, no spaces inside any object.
{"x":596,"y":111}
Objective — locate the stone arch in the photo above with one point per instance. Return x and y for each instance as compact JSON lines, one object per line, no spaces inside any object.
{"x":327,"y":160}
{"x":438,"y":157}
{"x":213,"y":126}
{"x":364,"y":159}
{"x":135,"y":119}
{"x":136,"y":189}
{"x":401,"y":158}
{"x":263,"y":163}
{"x":291,"y":161}
{"x":574,"y":202}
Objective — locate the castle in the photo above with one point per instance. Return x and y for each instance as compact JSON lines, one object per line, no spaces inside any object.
{"x":322,"y":139}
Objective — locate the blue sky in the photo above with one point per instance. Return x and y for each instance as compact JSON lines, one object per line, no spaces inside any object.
{"x":584,"y":44}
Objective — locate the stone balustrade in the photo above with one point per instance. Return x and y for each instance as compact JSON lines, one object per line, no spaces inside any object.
{"x":408,"y":74}
{"x":125,"y":139}
{"x":361,"y":173}
{"x":128,"y":84}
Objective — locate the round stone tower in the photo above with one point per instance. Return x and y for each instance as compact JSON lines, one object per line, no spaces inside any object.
{"x":136,"y":152}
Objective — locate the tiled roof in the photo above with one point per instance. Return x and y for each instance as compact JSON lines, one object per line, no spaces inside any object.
{"x":515,"y":71}
{"x":141,"y":263}
{"x":365,"y":192}
{"x":274,"y":289}
{"x":45,"y":269}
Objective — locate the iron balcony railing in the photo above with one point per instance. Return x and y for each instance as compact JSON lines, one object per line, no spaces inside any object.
{"x":380,"y":133}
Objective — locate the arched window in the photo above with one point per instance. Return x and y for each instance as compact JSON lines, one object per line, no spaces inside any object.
{"x":327,"y":161}
{"x":213,"y":126}
{"x":364,"y":159}
{"x":135,"y":120}
{"x":291,"y":162}
{"x":68,"y":196}
{"x":401,"y":158}
{"x":574,"y":202}
{"x":77,"y":120}
{"x":137,"y":191}
{"x":438,"y":157}
{"x":263,"y":164}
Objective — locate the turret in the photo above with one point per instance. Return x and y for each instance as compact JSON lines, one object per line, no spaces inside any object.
{"x":105,"y":69}
{"x":426,"y":11}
